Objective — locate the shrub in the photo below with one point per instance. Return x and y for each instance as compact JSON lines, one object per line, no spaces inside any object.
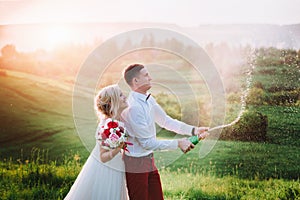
{"x":234,"y":98}
{"x":252,"y":126}
{"x":169,"y":104}
{"x":255,"y":96}
{"x":258,"y":84}
{"x":284,"y":98}
{"x":268,"y":71}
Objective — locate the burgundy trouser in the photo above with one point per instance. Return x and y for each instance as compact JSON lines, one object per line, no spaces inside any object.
{"x":142,"y":177}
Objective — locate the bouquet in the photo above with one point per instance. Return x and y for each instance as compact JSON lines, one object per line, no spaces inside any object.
{"x":112,"y":134}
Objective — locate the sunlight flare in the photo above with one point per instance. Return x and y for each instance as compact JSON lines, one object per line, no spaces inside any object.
{"x":56,"y":35}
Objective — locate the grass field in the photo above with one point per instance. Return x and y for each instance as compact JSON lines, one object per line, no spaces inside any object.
{"x":35,"y":112}
{"x":233,"y":170}
{"x":41,"y":153}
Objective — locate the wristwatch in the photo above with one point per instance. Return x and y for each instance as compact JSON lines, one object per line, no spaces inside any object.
{"x":193,"y":131}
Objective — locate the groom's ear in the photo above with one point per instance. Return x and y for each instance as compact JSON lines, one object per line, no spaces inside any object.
{"x":133,"y":82}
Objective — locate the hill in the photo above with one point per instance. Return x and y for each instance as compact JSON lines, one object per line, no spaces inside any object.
{"x":258,"y":35}
{"x":35,"y":112}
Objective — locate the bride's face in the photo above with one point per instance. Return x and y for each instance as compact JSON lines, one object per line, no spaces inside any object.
{"x":123,"y":101}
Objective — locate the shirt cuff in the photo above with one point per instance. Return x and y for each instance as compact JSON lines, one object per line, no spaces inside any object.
{"x":174,"y":144}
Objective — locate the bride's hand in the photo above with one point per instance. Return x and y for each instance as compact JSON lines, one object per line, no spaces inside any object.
{"x":122,"y":145}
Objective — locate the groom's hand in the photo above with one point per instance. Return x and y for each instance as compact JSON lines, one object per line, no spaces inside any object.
{"x":203,"y":135}
{"x":185,"y":145}
{"x":201,"y":132}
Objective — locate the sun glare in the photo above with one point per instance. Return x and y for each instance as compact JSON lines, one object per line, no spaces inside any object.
{"x":56,"y":35}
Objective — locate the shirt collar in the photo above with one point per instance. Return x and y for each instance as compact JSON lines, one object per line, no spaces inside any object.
{"x":140,"y":96}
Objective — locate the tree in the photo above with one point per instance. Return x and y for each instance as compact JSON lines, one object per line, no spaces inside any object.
{"x":9,"y":51}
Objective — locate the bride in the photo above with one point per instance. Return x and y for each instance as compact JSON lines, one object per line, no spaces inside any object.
{"x":102,"y":176}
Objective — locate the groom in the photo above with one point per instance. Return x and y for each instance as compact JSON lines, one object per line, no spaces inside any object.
{"x":143,"y":180}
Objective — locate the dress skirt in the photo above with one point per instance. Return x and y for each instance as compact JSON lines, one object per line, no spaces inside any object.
{"x":100,"y":181}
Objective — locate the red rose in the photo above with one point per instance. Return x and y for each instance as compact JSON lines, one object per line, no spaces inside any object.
{"x":118,"y":133}
{"x":105,"y":134}
{"x":112,"y":124}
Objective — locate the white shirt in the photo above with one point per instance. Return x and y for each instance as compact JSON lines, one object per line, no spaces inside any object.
{"x":140,"y":118}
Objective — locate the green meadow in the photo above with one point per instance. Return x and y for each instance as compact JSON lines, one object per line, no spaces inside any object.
{"x":233,"y":170}
{"x":41,"y":153}
{"x":35,"y":112}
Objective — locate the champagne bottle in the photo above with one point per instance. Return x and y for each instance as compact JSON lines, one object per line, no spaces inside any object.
{"x":195,"y":139}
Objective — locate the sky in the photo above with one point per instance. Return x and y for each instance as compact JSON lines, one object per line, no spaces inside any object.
{"x":180,"y":12}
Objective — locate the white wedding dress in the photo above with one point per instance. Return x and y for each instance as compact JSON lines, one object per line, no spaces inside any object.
{"x":100,"y":181}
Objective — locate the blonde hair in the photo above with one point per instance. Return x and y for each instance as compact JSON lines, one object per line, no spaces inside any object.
{"x":107,"y":101}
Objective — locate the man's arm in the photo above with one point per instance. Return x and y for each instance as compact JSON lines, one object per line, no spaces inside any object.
{"x":153,"y":144}
{"x":165,"y":121}
{"x":141,"y":130}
